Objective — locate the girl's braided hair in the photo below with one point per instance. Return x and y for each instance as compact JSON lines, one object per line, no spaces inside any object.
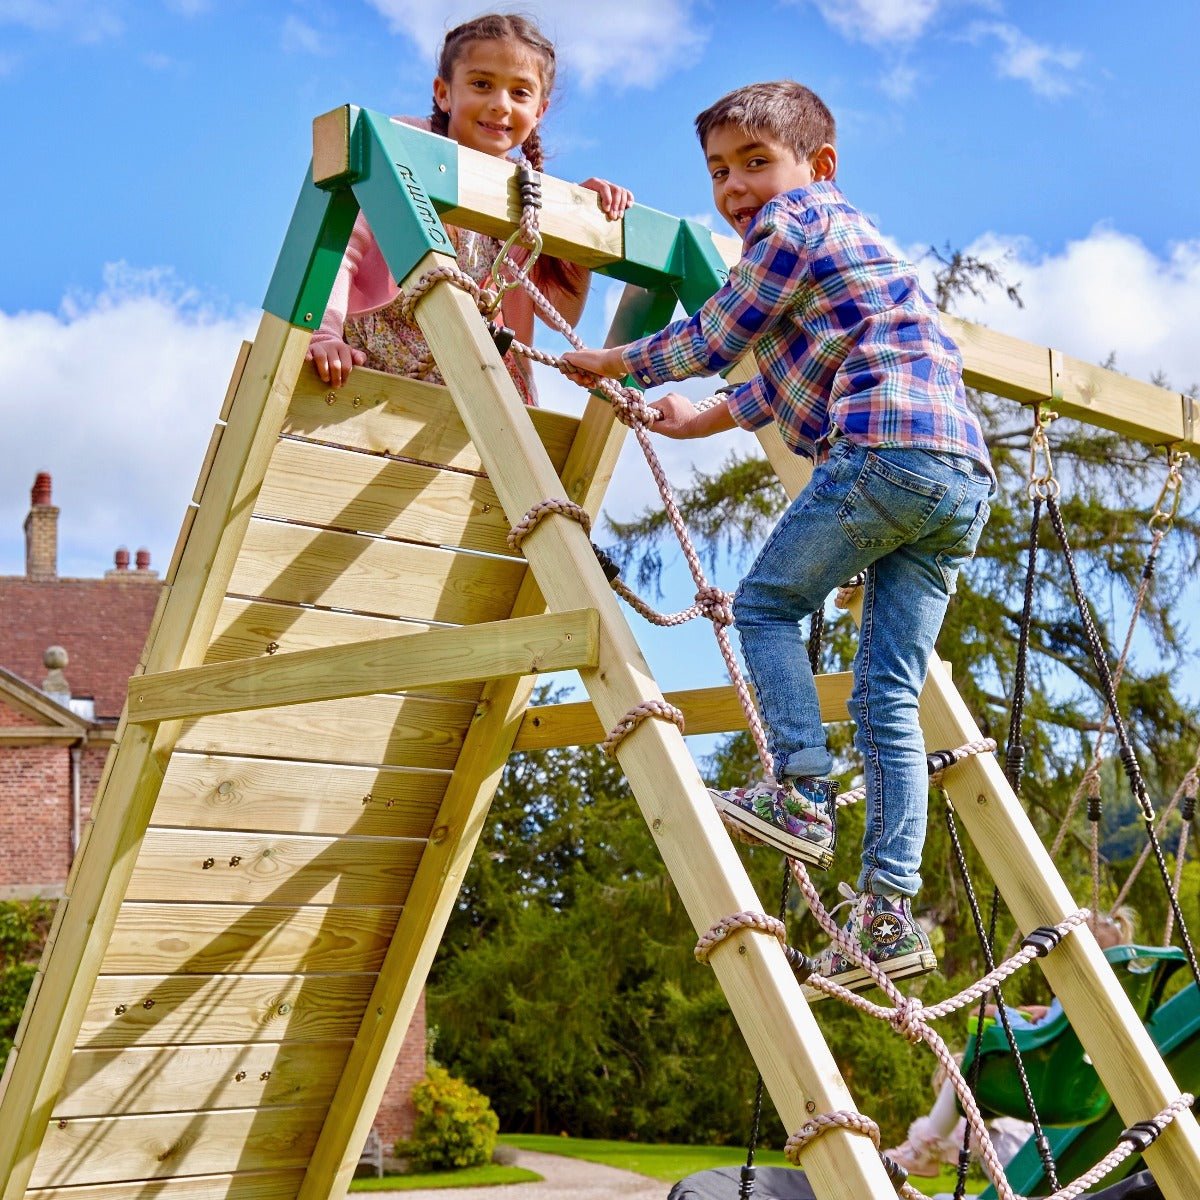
{"x":514,"y":27}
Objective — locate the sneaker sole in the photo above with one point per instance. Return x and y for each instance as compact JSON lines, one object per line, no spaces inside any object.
{"x":809,"y":853}
{"x":917,"y":962}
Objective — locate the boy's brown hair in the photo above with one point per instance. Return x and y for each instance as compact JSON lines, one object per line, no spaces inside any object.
{"x":788,"y":112}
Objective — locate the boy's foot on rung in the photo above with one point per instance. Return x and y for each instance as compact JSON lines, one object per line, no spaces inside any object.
{"x":888,"y":936}
{"x":797,"y":816}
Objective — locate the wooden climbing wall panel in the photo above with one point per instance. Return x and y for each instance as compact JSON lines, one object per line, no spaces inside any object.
{"x":284,"y":841}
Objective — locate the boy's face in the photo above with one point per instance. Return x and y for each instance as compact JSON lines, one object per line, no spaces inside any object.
{"x":748,"y":169}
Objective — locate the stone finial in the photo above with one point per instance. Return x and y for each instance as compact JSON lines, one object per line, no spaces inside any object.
{"x":55,"y":684}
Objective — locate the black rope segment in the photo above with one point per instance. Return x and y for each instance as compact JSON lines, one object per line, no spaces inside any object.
{"x":1014,"y":755}
{"x":987,"y":940}
{"x":1128,"y":759}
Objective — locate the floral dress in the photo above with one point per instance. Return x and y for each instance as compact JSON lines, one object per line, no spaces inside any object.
{"x":392,"y":344}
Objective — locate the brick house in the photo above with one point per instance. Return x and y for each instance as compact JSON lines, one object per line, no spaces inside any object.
{"x":67,"y":650}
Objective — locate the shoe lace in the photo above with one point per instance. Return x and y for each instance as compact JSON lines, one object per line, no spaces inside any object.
{"x":848,"y":894}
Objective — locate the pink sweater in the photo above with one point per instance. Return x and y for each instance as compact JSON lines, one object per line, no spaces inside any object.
{"x":363,"y":284}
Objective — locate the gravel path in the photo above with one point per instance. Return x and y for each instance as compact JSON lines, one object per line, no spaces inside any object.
{"x":562,"y":1179}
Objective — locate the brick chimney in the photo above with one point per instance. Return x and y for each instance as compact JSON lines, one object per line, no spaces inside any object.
{"x":41,"y":532}
{"x":120,"y":568}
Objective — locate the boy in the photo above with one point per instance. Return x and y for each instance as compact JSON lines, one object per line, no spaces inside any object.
{"x":858,"y":375}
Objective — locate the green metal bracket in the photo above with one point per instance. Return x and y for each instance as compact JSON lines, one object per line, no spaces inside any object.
{"x":393,"y":197}
{"x":312,"y":253}
{"x":704,"y":268}
{"x":653,"y":251}
{"x":431,"y":158}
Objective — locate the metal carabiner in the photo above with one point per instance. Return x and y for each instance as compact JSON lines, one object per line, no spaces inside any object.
{"x":1042,"y":484}
{"x":1167,"y":505}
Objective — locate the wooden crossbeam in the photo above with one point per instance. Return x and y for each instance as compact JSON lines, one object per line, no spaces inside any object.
{"x":705,"y":710}
{"x":524,"y":646}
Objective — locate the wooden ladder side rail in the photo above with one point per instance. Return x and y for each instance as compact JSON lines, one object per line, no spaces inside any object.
{"x":762,"y":990}
{"x":1119,"y":1045}
{"x":456,"y":831}
{"x":408,"y":661}
{"x":133,"y":772}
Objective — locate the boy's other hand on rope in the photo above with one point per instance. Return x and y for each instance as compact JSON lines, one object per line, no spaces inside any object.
{"x":679,"y":418}
{"x":608,"y":364}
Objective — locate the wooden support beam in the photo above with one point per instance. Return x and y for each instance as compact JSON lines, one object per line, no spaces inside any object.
{"x":705,"y":710}
{"x":525,"y":646}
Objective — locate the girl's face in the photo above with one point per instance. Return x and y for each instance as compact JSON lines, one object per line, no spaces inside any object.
{"x":494,"y":95}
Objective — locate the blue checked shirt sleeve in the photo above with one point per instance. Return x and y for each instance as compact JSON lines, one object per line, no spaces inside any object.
{"x":761,"y":287}
{"x":749,"y":404}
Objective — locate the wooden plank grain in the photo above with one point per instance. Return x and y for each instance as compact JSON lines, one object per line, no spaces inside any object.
{"x":244,"y":1185}
{"x":199,"y":1078}
{"x":370,"y":575}
{"x":217,"y":791}
{"x":405,"y":418}
{"x":271,"y":939}
{"x":161,"y":1146}
{"x":204,"y":865}
{"x":149,"y":1010}
{"x":343,"y":489}
{"x":411,"y":662}
{"x":389,"y":730}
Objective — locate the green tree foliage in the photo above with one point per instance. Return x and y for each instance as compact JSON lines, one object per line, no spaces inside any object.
{"x":23,"y":928}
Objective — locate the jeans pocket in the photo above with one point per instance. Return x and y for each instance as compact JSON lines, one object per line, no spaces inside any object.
{"x":888,"y":505}
{"x":952,"y":560}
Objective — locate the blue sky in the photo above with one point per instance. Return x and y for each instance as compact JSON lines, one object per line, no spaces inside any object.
{"x":154,"y":151}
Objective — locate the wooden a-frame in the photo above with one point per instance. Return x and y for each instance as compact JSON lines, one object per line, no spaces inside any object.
{"x":307,"y":755}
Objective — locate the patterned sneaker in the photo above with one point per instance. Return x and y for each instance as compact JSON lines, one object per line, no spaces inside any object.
{"x":886,"y":933}
{"x":797,"y":817}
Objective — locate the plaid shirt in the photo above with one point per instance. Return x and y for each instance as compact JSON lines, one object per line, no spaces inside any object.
{"x":846,"y":341}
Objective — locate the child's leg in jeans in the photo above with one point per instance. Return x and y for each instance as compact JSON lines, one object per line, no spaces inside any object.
{"x":905,"y":597}
{"x":805,"y":558}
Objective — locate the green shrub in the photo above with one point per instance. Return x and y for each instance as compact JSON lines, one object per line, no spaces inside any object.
{"x":23,"y":928}
{"x":455,"y":1125}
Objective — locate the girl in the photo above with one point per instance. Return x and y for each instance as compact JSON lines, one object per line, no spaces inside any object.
{"x":495,"y":76}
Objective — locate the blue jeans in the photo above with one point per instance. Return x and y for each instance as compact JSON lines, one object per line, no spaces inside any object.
{"x":908,"y":519}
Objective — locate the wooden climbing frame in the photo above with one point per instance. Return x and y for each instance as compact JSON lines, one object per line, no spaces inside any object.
{"x":339,"y":667}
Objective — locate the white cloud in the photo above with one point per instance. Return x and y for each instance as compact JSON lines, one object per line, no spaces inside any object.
{"x":128,"y":385}
{"x":1049,"y":72}
{"x":627,"y":43}
{"x":189,"y":8}
{"x":879,"y":22}
{"x":1104,"y":294}
{"x":899,"y":82}
{"x":84,"y":20}
{"x":301,"y":38}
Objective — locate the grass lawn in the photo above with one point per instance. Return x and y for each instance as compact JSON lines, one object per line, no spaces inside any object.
{"x":493,"y":1174}
{"x":671,"y":1163}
